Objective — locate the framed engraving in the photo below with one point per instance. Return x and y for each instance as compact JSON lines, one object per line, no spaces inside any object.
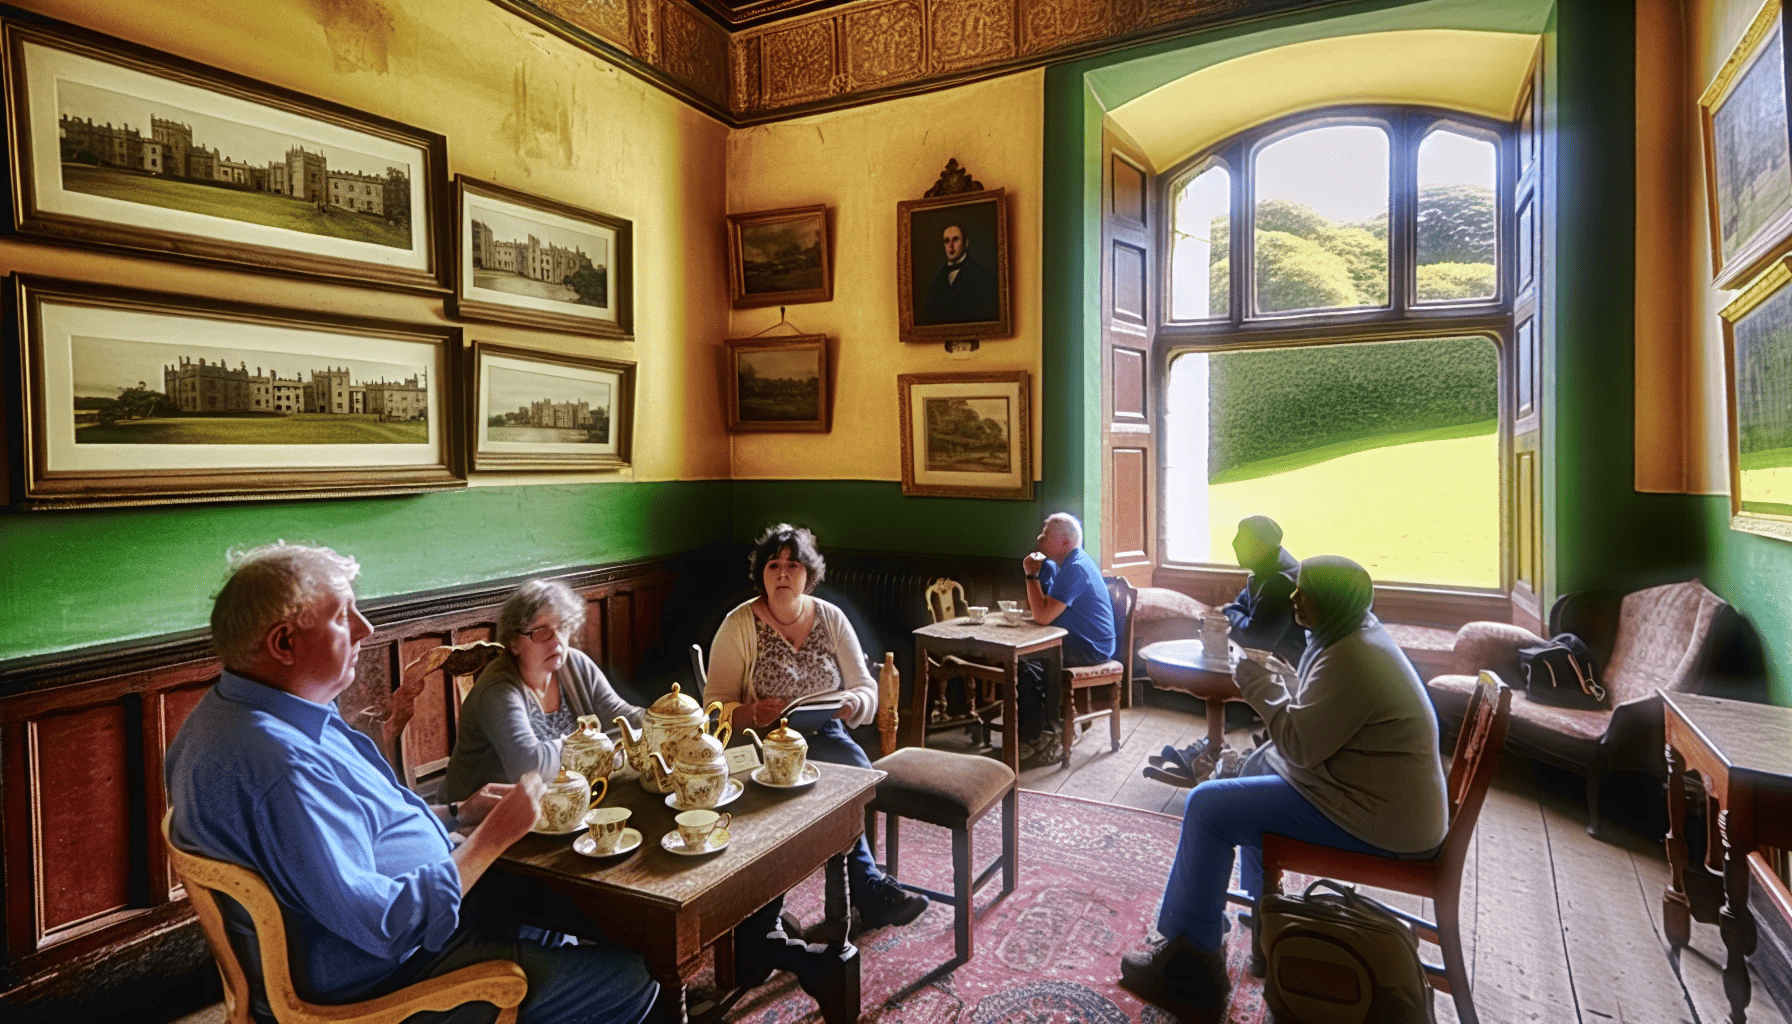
{"x":952,"y":267}
{"x":778,"y":385}
{"x":122,"y":147}
{"x":522,"y":259}
{"x":547,"y":411}
{"x":967,"y":435}
{"x":136,"y":397}
{"x":779,"y":257}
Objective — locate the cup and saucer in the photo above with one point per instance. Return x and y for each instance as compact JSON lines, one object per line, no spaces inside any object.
{"x":630,"y":842}
{"x":730,"y":794}
{"x":698,"y":833}
{"x":804,"y":779}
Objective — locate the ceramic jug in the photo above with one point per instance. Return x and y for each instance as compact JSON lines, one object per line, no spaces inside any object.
{"x":784,"y":751}
{"x":588,"y":751}
{"x":698,"y":772}
{"x":672,"y":718}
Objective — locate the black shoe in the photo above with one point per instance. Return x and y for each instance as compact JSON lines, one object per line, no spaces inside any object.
{"x":882,"y":902}
{"x":1173,"y":974}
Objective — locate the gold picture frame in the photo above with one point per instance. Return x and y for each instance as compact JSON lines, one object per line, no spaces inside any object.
{"x":1744,"y":131}
{"x":1758,"y":397}
{"x":779,"y":385}
{"x":967,"y":435}
{"x":780,"y":257}
{"x":936,"y":300}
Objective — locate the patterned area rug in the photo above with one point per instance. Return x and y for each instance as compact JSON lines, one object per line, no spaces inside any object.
{"x":1091,"y":876}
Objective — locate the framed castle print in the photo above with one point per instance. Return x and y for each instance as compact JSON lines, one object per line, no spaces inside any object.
{"x":522,"y":259}
{"x":1748,"y":153}
{"x":967,"y":435}
{"x":144,"y":397}
{"x":546,"y":411}
{"x":122,"y":147}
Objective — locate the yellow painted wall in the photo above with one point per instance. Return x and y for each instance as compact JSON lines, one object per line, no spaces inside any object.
{"x":860,"y":163}
{"x":518,"y":107}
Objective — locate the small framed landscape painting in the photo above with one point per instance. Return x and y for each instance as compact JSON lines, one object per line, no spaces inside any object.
{"x":546,"y":411}
{"x":1748,"y":152}
{"x":1758,"y":378}
{"x":521,"y":259}
{"x":778,"y":385}
{"x":779,"y":257}
{"x":123,"y":147}
{"x":967,"y":435}
{"x":142,"y":398}
{"x":952,"y":267}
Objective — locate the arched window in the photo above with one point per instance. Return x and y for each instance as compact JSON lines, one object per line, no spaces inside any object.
{"x":1337,"y":307}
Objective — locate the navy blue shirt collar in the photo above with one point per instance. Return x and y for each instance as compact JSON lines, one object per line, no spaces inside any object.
{"x":301,"y":714}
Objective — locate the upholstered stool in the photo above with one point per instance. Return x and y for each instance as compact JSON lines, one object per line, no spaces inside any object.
{"x":952,"y":791}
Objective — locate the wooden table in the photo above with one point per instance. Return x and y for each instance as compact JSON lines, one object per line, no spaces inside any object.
{"x":1743,"y":751}
{"x":670,"y":908}
{"x":1184,"y":666}
{"x":1000,"y":646}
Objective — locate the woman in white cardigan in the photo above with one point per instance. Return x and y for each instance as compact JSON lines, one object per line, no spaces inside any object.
{"x":786,"y":644}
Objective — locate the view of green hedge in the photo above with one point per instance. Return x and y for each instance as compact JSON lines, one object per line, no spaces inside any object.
{"x":1266,"y":404}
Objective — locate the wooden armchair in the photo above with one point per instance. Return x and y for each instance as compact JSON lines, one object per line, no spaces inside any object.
{"x":499,"y":982}
{"x":462,"y":664}
{"x":1081,"y":685}
{"x":930,"y":712}
{"x":1438,"y":877}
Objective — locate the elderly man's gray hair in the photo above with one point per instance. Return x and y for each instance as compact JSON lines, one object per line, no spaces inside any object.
{"x":535,"y":597}
{"x":268,"y":585}
{"x":1068,"y":526}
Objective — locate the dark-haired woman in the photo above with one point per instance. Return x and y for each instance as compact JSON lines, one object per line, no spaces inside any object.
{"x":787,"y":643}
{"x":1354,"y":765}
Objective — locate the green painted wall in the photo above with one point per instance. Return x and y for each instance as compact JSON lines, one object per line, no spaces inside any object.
{"x":74,"y":579}
{"x":1750,"y":571}
{"x":874,"y":515}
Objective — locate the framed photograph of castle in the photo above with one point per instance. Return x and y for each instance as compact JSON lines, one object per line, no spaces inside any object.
{"x":967,"y":435}
{"x":136,"y":398}
{"x":522,"y":259}
{"x":545,"y":411}
{"x":1748,"y":152}
{"x":779,"y":257}
{"x":1758,"y":380}
{"x":778,"y":385}
{"x":122,"y":147}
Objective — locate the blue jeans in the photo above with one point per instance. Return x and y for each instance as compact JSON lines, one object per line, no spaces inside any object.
{"x":1224,"y":815}
{"x":832,"y":744}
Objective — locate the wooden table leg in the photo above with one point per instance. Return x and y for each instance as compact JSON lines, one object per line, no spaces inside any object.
{"x":1736,"y":923}
{"x":1216,"y":725}
{"x":1676,"y":908}
{"x":834,"y":983}
{"x":670,"y":1007}
{"x":1011,"y":715}
{"x":916,"y":726}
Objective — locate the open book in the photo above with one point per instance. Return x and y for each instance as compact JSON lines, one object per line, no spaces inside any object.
{"x":810,"y":712}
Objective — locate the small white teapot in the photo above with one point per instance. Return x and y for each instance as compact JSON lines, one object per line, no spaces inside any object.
{"x":784,"y":751}
{"x":588,"y":751}
{"x":565,"y":801}
{"x":698,"y":772}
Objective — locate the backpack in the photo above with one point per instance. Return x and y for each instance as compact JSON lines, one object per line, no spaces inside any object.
{"x":1561,"y":673}
{"x":1340,"y":957}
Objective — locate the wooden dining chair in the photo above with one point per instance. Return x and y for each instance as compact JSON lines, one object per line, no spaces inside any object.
{"x":930,"y":711}
{"x":1107,"y":682}
{"x":1438,"y":877}
{"x":462,"y":664}
{"x":499,"y":982}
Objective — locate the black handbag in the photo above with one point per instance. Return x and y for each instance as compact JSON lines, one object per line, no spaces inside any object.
{"x":1562,"y":673}
{"x":1340,"y":957}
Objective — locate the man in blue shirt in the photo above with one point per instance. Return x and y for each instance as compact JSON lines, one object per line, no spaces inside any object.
{"x":1064,"y":588}
{"x":265,"y":773}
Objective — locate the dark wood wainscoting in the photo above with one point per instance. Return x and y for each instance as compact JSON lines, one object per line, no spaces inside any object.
{"x":82,"y":740}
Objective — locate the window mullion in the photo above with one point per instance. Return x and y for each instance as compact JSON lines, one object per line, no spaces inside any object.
{"x":1403,"y":216}
{"x":1241,"y":246}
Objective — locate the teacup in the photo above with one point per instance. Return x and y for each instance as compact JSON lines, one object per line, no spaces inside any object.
{"x":1009,"y":606}
{"x":606,"y":825}
{"x":695,"y":827}
{"x":977,"y":612}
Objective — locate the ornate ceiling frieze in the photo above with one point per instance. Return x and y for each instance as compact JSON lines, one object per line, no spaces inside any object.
{"x":752,"y":61}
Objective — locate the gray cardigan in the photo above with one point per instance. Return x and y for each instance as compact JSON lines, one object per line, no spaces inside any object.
{"x":1357,"y":736}
{"x":496,"y":743}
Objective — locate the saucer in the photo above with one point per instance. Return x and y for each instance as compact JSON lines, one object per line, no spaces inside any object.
{"x":580,"y":827}
{"x":807,"y":778}
{"x":729,"y":795}
{"x":631,"y":839}
{"x":674,"y":843}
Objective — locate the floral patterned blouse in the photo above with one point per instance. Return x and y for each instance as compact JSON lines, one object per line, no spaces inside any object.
{"x":785,"y":673}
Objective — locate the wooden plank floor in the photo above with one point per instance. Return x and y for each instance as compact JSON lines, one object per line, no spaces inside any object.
{"x":1559,"y":927}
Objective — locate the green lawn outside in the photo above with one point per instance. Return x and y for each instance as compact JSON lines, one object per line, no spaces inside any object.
{"x":307,"y":428}
{"x":234,"y":204}
{"x":1770,"y":508}
{"x":1772,"y":458}
{"x":1325,"y":453}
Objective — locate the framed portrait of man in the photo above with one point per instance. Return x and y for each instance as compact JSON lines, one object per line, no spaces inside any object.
{"x":952,"y":267}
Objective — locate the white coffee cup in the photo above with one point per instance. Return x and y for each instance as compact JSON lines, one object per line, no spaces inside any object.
{"x":977,"y":612}
{"x":606,"y":825}
{"x":1008,"y":606}
{"x":695,"y":827}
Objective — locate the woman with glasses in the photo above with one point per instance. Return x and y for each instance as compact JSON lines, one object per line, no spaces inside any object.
{"x":529,"y":698}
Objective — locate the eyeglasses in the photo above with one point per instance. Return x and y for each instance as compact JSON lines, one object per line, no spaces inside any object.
{"x":541,"y":634}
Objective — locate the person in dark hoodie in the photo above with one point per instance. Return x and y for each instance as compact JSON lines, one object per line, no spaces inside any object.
{"x":1261,"y":614}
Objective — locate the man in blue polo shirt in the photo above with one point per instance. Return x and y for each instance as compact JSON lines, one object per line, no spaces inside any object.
{"x":266,"y":774}
{"x":1064,"y":588}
